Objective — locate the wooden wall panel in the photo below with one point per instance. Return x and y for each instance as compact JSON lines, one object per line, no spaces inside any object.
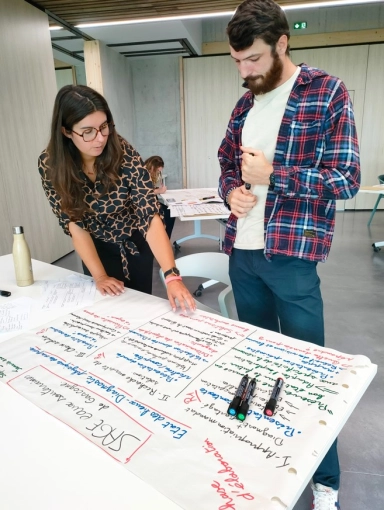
{"x":109,"y":73}
{"x":92,"y":62}
{"x":211,"y":92}
{"x":28,"y":89}
{"x":349,"y":63}
{"x":372,"y":138}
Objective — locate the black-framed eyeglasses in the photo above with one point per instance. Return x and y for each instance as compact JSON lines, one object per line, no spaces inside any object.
{"x":90,"y":134}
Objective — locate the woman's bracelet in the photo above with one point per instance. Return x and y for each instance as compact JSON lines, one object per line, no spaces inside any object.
{"x":97,"y":279}
{"x":172,"y":278}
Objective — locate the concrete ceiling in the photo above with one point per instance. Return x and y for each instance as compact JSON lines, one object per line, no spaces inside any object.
{"x":147,"y":39}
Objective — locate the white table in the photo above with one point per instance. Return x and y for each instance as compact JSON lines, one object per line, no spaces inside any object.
{"x":48,"y":465}
{"x":45,"y":465}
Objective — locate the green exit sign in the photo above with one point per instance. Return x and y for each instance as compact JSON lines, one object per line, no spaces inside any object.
{"x":300,"y":25}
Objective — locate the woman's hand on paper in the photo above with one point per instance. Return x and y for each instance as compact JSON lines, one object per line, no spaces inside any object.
{"x":108,"y":285}
{"x":176,"y":290}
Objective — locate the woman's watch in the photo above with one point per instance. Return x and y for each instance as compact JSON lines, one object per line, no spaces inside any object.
{"x":172,"y":272}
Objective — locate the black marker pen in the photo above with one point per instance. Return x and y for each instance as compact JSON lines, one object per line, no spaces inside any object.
{"x":271,"y":404}
{"x":244,"y":406}
{"x":247,"y":185}
{"x":232,"y":409}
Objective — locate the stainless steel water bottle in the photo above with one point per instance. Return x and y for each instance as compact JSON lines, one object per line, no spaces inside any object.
{"x":21,"y":258}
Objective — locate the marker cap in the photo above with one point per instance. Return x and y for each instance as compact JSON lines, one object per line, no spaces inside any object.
{"x":242,"y":412}
{"x":270,"y":407}
{"x":232,"y":409}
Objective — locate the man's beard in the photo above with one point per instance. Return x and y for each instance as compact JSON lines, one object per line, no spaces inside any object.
{"x":263,"y":84}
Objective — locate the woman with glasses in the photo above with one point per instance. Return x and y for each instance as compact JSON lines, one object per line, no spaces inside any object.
{"x":99,"y":189}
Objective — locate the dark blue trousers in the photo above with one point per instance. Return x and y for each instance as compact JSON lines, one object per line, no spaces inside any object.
{"x":283,"y":295}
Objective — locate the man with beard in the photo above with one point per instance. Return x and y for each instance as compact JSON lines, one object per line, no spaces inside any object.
{"x":289,"y":152}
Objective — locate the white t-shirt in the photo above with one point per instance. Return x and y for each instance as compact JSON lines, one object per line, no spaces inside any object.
{"x":260,"y":131}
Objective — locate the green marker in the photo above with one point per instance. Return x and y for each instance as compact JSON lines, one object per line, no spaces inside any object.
{"x":244,"y":406}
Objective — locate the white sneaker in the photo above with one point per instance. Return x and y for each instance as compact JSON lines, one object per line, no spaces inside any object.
{"x":324,"y":498}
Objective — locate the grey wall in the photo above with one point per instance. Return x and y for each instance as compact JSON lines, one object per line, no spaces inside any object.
{"x":80,"y":75}
{"x":156,"y":92}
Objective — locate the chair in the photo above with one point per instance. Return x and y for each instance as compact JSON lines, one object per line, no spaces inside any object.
{"x":213,"y":266}
{"x":381,"y":181}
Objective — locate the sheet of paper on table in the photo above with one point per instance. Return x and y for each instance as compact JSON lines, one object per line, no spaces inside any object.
{"x":70,"y":292}
{"x":14,"y":315}
{"x":191,"y":196}
{"x":198,"y":210}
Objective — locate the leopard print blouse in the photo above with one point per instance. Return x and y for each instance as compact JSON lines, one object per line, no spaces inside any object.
{"x":129,"y":207}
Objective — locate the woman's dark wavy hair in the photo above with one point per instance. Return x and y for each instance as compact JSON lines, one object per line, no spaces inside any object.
{"x":72,"y":104}
{"x":257,"y":19}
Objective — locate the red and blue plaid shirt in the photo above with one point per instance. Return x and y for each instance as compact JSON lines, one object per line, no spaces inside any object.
{"x":316,"y":162}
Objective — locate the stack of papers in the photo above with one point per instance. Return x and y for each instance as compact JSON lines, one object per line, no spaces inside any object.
{"x":198,"y":210}
{"x":194,"y":202}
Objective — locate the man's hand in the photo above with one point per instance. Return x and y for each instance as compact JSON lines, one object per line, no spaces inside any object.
{"x":241,"y":201}
{"x":255,"y":168}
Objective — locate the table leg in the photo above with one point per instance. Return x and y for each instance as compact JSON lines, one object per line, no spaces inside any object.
{"x":197,"y":233}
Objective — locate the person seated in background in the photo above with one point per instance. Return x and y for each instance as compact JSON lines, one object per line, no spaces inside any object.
{"x":155,"y":166}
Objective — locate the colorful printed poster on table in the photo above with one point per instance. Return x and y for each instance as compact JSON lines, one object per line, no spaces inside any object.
{"x":153,"y":392}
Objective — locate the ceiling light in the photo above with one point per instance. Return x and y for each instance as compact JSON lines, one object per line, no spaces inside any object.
{"x":331,"y":3}
{"x":154,"y":20}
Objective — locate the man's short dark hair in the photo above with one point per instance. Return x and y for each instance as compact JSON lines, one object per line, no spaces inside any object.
{"x":257,"y":19}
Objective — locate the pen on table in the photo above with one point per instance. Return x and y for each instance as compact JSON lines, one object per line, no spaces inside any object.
{"x":5,"y":293}
{"x":244,"y":406}
{"x":232,"y":409}
{"x":271,"y":404}
{"x":207,"y":198}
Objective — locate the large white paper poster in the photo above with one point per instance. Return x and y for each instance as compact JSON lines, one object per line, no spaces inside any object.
{"x":152,"y":388}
